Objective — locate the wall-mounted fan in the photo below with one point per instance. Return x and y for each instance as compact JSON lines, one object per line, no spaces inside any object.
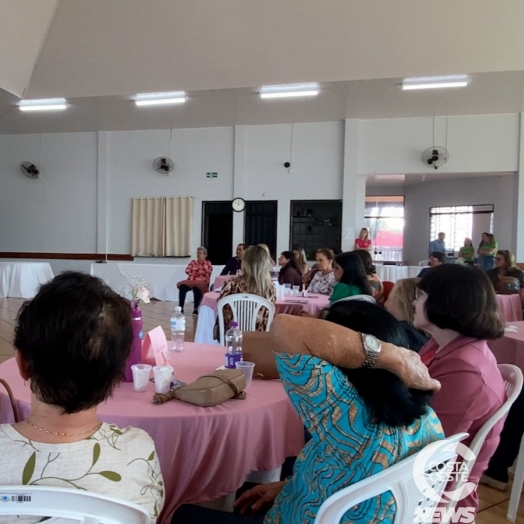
{"x":435,"y":157}
{"x":29,"y":170}
{"x":163,"y":165}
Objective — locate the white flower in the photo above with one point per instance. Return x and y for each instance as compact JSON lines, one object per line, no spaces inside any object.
{"x":141,"y":294}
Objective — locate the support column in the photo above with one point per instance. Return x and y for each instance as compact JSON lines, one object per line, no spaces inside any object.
{"x":102,"y":234}
{"x":353,"y":188}
{"x":518,"y":222}
{"x":239,"y":181}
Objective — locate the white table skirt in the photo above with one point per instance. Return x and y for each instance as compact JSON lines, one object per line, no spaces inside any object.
{"x":160,"y":278}
{"x":394,"y":273}
{"x":22,"y":279}
{"x":205,"y":324}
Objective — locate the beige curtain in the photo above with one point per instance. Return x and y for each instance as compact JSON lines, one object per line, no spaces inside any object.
{"x":179,"y":226}
{"x":161,"y":227}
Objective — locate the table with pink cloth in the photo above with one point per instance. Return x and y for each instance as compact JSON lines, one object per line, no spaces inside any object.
{"x":291,"y":305}
{"x":221,"y":280}
{"x":204,"y":453}
{"x":510,"y":307}
{"x":510,"y":348}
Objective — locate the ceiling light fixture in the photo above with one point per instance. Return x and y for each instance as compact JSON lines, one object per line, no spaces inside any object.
{"x":289,"y":90}
{"x":44,"y":104}
{"x":435,"y":82}
{"x":160,"y":99}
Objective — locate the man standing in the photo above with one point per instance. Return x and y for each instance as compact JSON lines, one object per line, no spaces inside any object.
{"x":438,"y":244}
{"x":234,"y":264}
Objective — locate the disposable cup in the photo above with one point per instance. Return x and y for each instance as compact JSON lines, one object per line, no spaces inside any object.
{"x":141,"y":374}
{"x":287,"y":289}
{"x":163,"y":377}
{"x":247,"y":368}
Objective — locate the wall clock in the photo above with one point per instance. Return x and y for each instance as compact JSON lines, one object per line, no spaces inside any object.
{"x":238,"y":204}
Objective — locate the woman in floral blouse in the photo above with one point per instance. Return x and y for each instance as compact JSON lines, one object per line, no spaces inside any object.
{"x":199,"y":273}
{"x":256,"y":280}
{"x":324,"y":278}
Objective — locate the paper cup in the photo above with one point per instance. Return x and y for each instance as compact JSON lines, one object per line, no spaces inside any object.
{"x":141,"y":374}
{"x":163,"y":377}
{"x":247,"y":368}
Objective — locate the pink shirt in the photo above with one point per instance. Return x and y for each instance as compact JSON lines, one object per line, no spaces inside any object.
{"x":472,"y":391}
{"x":363,"y":244}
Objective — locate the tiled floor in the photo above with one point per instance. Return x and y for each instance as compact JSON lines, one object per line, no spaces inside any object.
{"x":493,"y":503}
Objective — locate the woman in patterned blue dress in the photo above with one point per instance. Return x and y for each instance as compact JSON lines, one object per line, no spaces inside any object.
{"x":361,"y":420}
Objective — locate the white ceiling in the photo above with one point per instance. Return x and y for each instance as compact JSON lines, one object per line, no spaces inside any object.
{"x":97,"y":53}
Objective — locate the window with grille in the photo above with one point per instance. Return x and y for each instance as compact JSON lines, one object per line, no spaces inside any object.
{"x":460,"y":222}
{"x":384,"y":217}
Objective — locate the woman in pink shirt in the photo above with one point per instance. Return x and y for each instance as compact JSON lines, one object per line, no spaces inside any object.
{"x":457,"y":306}
{"x":198,"y":275}
{"x":363,"y":241}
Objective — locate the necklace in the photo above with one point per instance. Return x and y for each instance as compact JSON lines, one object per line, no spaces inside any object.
{"x":93,"y":430}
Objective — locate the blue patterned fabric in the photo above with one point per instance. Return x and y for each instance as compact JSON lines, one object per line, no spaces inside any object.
{"x":346,"y":446}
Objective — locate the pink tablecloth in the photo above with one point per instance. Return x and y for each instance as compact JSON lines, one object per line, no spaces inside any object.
{"x":204,"y":452}
{"x":510,"y":307}
{"x":290,"y":305}
{"x":221,"y":280}
{"x":510,"y":348}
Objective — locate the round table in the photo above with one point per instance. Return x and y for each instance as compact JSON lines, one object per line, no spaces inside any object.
{"x":289,"y":305}
{"x":221,"y":280}
{"x":204,"y":453}
{"x":510,"y":348}
{"x":510,"y":307}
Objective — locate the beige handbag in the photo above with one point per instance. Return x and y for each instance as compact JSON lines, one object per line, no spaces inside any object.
{"x":213,"y":389}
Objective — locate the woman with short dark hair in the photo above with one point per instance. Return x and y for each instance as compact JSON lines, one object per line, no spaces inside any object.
{"x":351,"y":277}
{"x":72,"y":341}
{"x":289,"y":271}
{"x":457,"y":306}
{"x":371,"y":272}
{"x":506,"y":277}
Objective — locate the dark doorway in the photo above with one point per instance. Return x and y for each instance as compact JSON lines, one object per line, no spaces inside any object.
{"x":217,"y":231}
{"x":260,"y":224}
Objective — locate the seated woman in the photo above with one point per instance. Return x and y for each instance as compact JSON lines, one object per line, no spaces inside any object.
{"x":289,"y":272}
{"x":457,"y":306}
{"x":400,"y":305}
{"x":381,"y":417}
{"x":199,"y":273}
{"x":255,"y":280}
{"x":324,"y":278}
{"x":350,"y":276}
{"x":72,"y":341}
{"x":300,"y":257}
{"x":233,"y":265}
{"x":506,"y":277}
{"x":371,"y":273}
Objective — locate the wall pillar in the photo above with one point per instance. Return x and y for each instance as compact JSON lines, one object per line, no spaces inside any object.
{"x":518,"y":221}
{"x":102,"y":226}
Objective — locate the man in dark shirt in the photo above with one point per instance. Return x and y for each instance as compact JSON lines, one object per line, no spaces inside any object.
{"x":234,"y":264}
{"x":435,"y":259}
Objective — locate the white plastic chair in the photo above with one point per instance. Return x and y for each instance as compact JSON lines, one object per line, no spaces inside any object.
{"x":69,"y":505}
{"x":363,"y":298}
{"x":245,"y":308}
{"x":512,"y":376}
{"x":401,"y":479}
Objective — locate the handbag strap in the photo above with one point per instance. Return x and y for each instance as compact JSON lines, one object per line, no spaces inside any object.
{"x":225,"y":381}
{"x":14,"y":407}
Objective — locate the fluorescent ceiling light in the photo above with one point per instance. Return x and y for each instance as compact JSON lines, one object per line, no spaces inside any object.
{"x":44,"y":104}
{"x":435,"y":82}
{"x":289,"y":90}
{"x":160,"y":99}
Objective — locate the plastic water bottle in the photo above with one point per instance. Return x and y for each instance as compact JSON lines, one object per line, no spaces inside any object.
{"x":234,"y":346}
{"x":135,"y":356}
{"x":178,"y":329}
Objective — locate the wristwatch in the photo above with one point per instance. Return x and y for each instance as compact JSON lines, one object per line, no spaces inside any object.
{"x":373,"y":347}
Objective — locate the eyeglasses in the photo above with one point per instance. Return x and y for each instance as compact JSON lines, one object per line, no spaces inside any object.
{"x":499,"y":258}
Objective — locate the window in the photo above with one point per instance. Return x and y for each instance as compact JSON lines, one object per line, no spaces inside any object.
{"x":385,"y":219}
{"x":460,"y":222}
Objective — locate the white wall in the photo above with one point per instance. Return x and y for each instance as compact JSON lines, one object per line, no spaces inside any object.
{"x":496,"y":190}
{"x":85,"y":173}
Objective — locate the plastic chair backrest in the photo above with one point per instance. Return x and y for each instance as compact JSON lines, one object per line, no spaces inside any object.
{"x":388,"y":287}
{"x":65,"y":504}
{"x":512,"y":376}
{"x":245,"y":308}
{"x":364,"y":298}
{"x":403,"y":481}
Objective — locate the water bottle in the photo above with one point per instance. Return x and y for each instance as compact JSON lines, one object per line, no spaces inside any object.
{"x":234,"y":346}
{"x":135,"y":357}
{"x":178,"y":329}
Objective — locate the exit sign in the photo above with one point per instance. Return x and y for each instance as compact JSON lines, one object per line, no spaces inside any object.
{"x":211,"y":174}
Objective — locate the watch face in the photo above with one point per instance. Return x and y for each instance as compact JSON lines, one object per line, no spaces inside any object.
{"x":238,"y":204}
{"x":371,"y":342}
